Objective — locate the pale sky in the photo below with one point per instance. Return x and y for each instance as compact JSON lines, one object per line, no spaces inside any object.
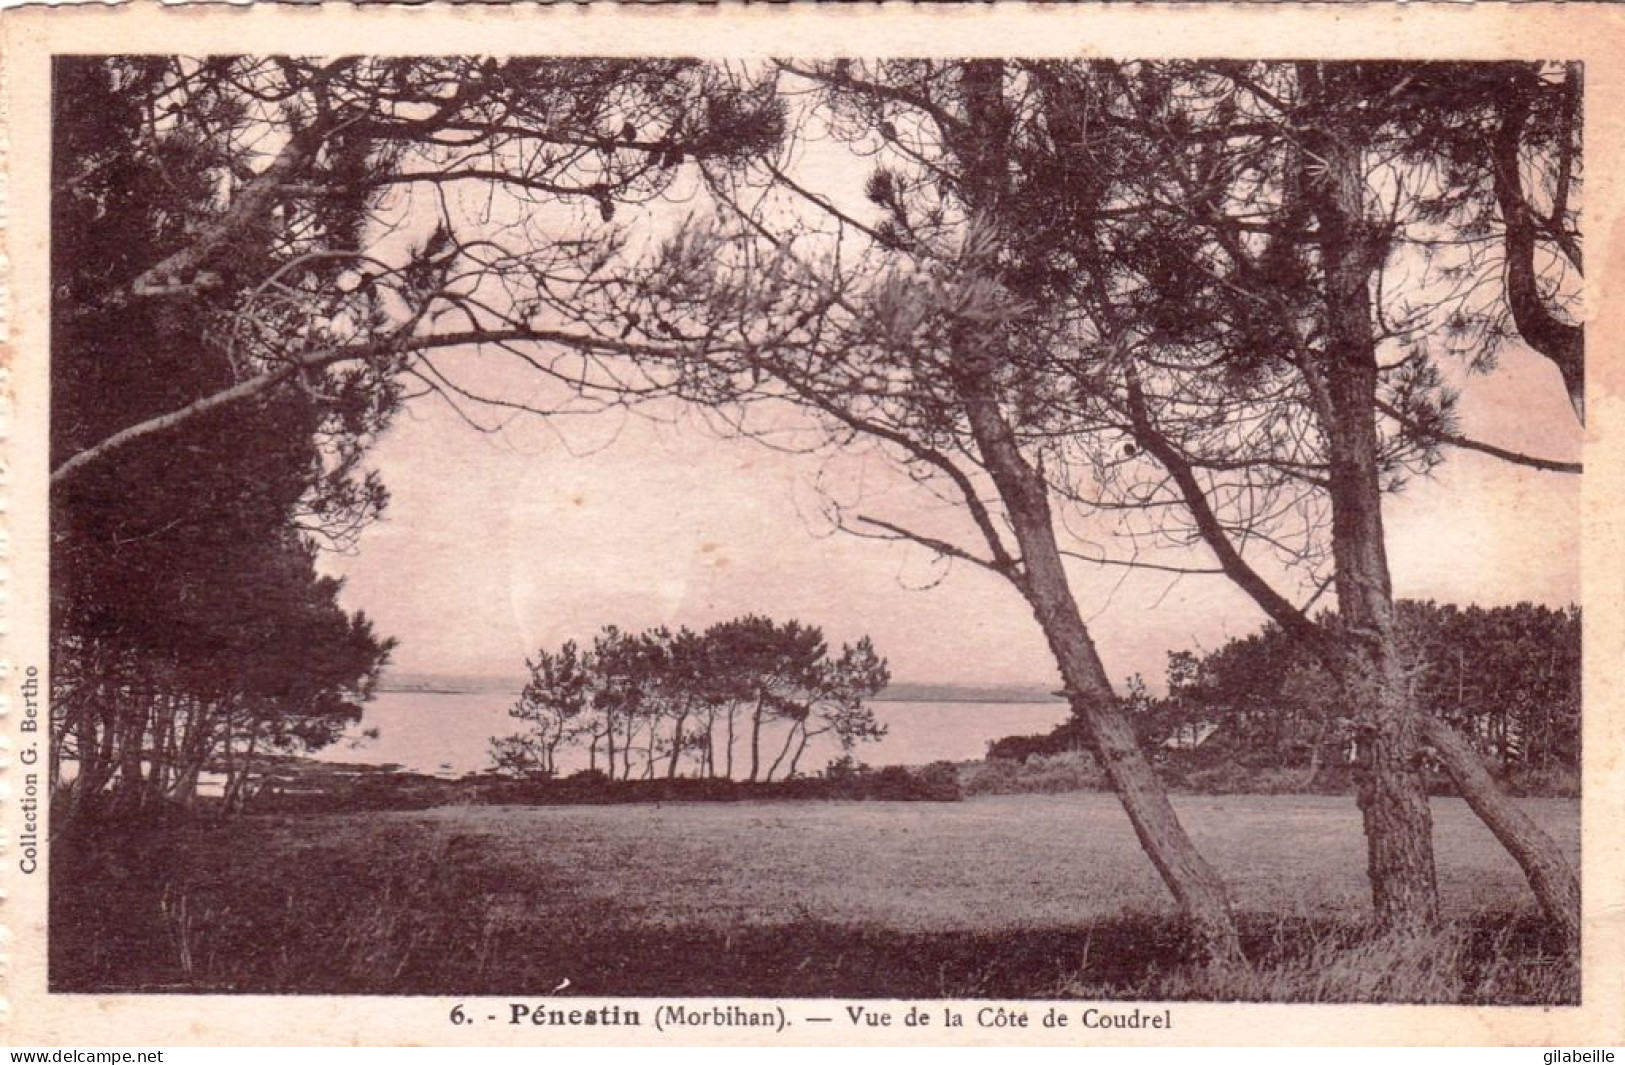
{"x":496,"y":545}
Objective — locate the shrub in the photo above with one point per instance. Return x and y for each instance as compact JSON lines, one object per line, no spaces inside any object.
{"x":844,"y":768}
{"x":1046,"y":774}
{"x":1562,"y":782}
{"x":938,"y":782}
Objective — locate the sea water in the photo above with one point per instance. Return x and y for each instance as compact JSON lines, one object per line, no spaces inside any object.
{"x":449,"y":733}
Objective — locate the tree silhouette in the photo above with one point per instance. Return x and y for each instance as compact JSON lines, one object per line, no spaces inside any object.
{"x":656,"y":688}
{"x":189,"y":627}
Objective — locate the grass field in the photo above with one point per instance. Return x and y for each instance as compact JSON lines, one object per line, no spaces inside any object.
{"x":1030,"y":895}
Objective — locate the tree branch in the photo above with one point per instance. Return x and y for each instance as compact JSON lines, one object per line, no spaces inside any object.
{"x":1130,"y":563}
{"x":1276,"y":606}
{"x":1561,"y":342}
{"x":941,"y":547}
{"x":325,"y":357}
{"x":179,"y":272}
{"x":1469,"y":444}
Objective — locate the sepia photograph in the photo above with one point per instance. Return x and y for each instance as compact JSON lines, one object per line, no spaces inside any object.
{"x":591,"y":529}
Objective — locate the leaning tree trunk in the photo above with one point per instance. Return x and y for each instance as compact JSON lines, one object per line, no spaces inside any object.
{"x":784,"y":751}
{"x":984,"y":151}
{"x":1194,"y":883}
{"x":1550,"y":876}
{"x":801,"y":748}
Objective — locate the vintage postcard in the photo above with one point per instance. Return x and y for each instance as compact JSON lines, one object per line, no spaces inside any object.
{"x":796,"y":525}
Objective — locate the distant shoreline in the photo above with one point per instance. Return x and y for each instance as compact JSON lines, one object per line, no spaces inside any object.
{"x":897,"y":693}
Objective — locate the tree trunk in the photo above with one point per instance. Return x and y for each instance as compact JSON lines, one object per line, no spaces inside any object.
{"x":1393,"y":801}
{"x":130,"y":789}
{"x":676,"y":745}
{"x":708,"y":754}
{"x":801,"y":748}
{"x":733,"y":709}
{"x":1550,"y":876}
{"x":193,"y":752}
{"x":95,"y":761}
{"x":1343,"y":378}
{"x":1319,"y":741}
{"x":756,"y":739}
{"x":236,"y":798}
{"x":1194,"y":883}
{"x":789,"y":738}
{"x":978,"y":357}
{"x":162,"y":759}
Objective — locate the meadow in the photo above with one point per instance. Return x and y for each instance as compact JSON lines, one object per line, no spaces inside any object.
{"x":1036,"y":895}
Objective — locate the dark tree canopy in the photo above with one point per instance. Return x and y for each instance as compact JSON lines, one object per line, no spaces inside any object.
{"x":189,"y":624}
{"x":1508,"y":677}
